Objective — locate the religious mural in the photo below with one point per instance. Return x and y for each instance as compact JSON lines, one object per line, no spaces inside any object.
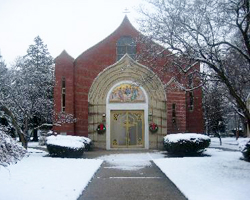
{"x":126,"y":93}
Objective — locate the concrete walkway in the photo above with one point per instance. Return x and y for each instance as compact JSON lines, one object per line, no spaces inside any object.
{"x":112,"y":183}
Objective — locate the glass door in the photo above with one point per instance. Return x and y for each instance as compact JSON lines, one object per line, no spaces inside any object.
{"x":127,"y":129}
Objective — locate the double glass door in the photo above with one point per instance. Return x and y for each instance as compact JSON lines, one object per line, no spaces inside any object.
{"x":127,"y":129}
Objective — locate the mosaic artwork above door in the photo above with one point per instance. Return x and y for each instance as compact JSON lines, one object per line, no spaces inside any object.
{"x":127,"y":129}
{"x":126,"y":93}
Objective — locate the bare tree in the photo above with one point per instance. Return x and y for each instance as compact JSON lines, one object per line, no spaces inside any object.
{"x":212,"y":32}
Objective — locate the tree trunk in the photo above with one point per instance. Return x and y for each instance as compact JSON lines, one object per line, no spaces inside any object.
{"x":14,"y":123}
{"x":35,"y":136}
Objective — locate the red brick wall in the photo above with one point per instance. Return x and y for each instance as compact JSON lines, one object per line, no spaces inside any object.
{"x":64,"y":68}
{"x":90,"y":63}
{"x":178,"y":123}
{"x":195,"y":121}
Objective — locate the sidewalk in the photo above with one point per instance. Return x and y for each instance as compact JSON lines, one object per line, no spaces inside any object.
{"x":113,"y":183}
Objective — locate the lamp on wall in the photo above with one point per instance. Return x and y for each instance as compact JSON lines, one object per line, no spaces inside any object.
{"x":103,"y":117}
{"x":150,"y":116}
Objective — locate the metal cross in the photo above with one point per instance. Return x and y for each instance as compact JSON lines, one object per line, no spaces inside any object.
{"x":126,"y":11}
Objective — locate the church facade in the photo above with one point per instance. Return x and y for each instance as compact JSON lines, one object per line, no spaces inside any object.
{"x":120,"y":101}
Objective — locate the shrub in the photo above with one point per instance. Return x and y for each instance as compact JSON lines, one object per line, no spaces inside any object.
{"x":65,"y":146}
{"x":186,"y":143}
{"x":60,"y":151}
{"x":87,"y":142}
{"x":245,"y":148}
{"x":10,"y":150}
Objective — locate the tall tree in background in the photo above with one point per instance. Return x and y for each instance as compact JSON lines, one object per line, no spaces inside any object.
{"x":215,"y":108}
{"x":32,"y":87}
{"x":39,"y":59}
{"x":212,"y":32}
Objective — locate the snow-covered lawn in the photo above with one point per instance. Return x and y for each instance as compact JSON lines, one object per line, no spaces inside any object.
{"x":227,"y":143}
{"x":38,"y":177}
{"x":221,"y":176}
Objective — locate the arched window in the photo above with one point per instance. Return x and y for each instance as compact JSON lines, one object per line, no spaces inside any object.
{"x":125,"y":44}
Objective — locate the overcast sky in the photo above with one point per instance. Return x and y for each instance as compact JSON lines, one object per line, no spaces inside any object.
{"x":73,"y":25}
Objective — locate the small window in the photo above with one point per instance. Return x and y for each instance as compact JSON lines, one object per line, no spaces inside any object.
{"x":174,"y":112}
{"x":191,"y":101}
{"x":63,"y":94}
{"x":125,"y":44}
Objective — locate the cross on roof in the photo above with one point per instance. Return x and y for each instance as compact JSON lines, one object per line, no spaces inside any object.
{"x":126,"y":10}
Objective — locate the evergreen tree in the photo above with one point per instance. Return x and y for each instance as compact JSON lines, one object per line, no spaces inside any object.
{"x":32,"y":87}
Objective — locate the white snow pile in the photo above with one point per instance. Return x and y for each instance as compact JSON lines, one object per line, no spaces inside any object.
{"x":10,"y":150}
{"x":73,"y":142}
{"x":192,"y":137}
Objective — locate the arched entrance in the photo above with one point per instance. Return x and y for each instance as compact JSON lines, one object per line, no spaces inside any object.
{"x":127,"y":116}
{"x":118,"y":99}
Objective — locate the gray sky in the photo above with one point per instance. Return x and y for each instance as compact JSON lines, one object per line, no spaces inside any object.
{"x":73,"y":25}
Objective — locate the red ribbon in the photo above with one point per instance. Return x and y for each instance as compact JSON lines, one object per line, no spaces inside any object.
{"x":153,"y":126}
{"x":101,"y":127}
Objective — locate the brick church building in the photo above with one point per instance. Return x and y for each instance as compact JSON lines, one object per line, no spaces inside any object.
{"x":119,"y":100}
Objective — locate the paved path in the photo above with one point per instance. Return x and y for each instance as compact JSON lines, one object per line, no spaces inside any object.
{"x":112,"y":183}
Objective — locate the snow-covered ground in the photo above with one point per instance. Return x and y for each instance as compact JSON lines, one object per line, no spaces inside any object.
{"x":220,"y":175}
{"x":38,"y":177}
{"x":227,"y":143}
{"x":131,"y":161}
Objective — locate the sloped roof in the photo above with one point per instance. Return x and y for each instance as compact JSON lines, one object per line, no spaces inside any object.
{"x":125,"y":27}
{"x":64,"y":54}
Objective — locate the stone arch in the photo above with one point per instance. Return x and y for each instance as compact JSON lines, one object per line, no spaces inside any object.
{"x":126,"y":69}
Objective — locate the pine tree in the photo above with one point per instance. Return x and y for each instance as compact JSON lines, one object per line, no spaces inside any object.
{"x":33,"y":87}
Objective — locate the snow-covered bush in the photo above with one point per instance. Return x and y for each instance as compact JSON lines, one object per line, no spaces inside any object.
{"x":10,"y":150}
{"x":65,"y":145}
{"x":87,"y":142}
{"x":44,"y":135}
{"x":244,"y":146}
{"x":186,"y":143}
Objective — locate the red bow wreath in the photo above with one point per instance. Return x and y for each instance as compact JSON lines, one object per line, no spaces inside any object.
{"x":153,"y":127}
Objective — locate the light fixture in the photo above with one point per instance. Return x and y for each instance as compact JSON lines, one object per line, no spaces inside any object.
{"x":103,"y":117}
{"x":150,"y":116}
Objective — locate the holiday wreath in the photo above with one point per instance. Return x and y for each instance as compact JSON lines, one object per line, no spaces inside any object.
{"x":101,"y":128}
{"x":153,"y":127}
